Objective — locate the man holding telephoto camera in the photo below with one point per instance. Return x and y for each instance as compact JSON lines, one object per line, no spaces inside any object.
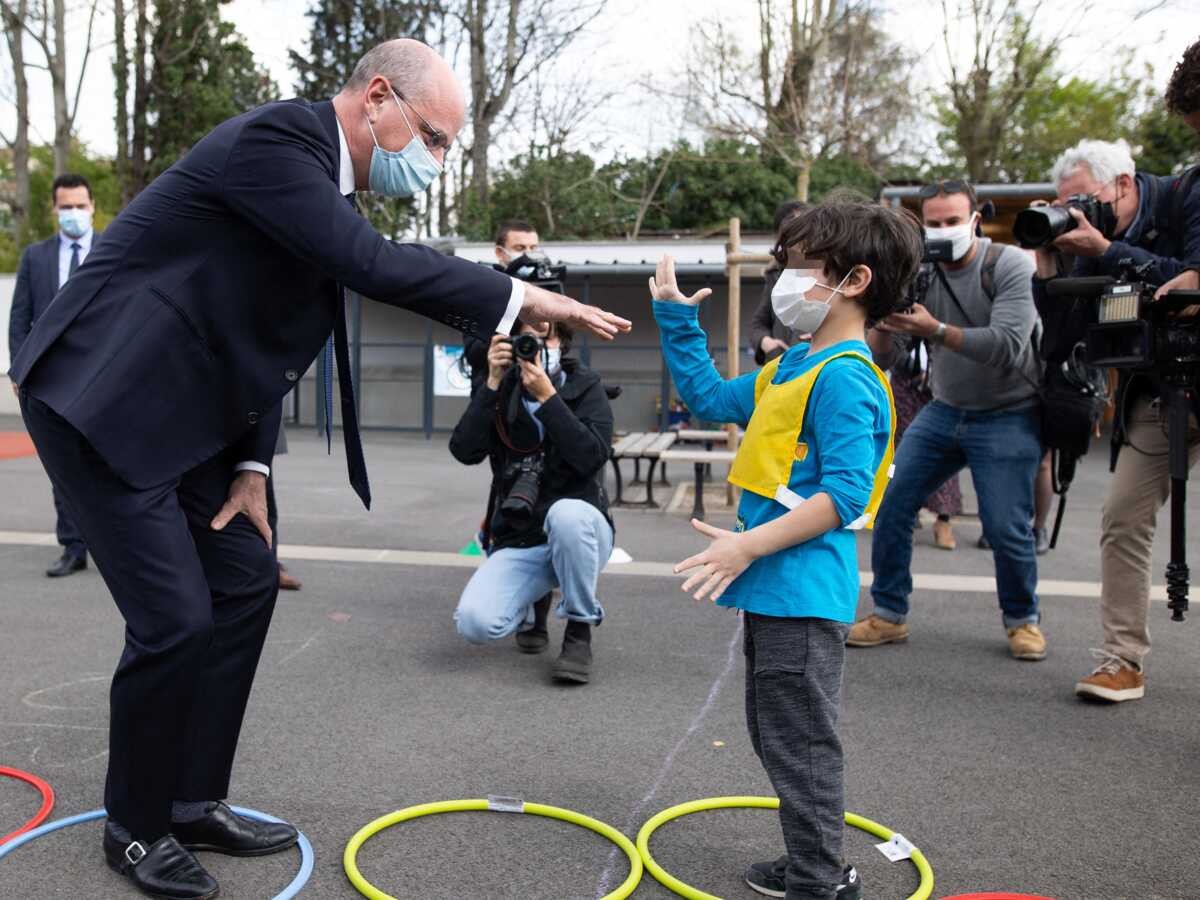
{"x":543,"y":421}
{"x":1133,"y":227}
{"x":978,"y":317}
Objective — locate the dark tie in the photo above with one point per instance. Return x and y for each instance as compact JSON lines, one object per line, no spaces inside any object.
{"x":338,"y":346}
{"x":74,"y":264}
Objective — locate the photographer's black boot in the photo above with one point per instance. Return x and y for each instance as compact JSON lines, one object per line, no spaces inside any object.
{"x":574,"y":663}
{"x":537,"y":638}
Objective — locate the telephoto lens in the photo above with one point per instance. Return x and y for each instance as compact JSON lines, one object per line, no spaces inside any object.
{"x":1039,"y":225}
{"x":526,"y":347}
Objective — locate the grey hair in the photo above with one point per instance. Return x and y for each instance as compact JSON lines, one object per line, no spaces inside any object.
{"x":1105,"y":160}
{"x":406,"y":63}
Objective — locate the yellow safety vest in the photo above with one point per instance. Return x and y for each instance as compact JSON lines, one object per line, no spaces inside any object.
{"x":763,"y":464}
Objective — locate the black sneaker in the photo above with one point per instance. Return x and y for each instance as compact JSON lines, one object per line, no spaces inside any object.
{"x":769,"y":879}
{"x":574,"y":664}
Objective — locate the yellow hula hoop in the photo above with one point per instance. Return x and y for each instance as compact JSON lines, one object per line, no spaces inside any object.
{"x":350,"y":855}
{"x":923,"y":892}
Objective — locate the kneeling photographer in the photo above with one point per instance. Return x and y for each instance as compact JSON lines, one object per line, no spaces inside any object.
{"x":1143,"y":231}
{"x":543,"y":421}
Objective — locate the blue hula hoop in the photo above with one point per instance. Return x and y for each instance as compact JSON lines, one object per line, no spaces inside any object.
{"x":306,"y":851}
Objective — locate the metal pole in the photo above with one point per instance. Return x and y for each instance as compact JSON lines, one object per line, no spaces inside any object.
{"x":427,"y":388}
{"x":734,"y":328}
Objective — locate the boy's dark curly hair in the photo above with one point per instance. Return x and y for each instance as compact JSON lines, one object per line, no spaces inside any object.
{"x":844,"y":233}
{"x":1183,"y":90}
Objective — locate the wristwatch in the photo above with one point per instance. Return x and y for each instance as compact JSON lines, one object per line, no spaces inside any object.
{"x":939,"y":336}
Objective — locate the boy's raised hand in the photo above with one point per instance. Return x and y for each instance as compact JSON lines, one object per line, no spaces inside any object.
{"x":726,"y":558}
{"x":663,"y":285}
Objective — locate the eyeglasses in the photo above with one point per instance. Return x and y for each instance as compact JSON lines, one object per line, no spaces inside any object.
{"x":438,"y":140}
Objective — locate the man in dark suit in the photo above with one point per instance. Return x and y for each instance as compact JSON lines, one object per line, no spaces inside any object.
{"x":43,"y":269}
{"x":152,"y":388}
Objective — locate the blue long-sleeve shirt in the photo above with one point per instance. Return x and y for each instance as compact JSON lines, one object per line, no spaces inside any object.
{"x":847,"y":427}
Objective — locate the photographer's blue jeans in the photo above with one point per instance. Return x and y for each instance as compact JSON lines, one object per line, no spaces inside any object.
{"x":500,"y":595}
{"x":1002,"y":450}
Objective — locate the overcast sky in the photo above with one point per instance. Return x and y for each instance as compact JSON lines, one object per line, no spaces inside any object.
{"x":645,"y":41}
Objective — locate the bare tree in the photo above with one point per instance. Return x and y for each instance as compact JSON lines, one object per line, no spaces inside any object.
{"x":46,"y":23}
{"x":987,"y":87}
{"x":18,"y":200}
{"x":766,"y":95}
{"x":507,"y":42}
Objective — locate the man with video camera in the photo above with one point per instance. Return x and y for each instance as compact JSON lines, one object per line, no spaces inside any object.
{"x":978,"y":317}
{"x":543,"y":421}
{"x":1121,"y":221}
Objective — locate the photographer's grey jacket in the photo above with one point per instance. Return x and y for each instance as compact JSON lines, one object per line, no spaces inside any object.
{"x":998,"y":367}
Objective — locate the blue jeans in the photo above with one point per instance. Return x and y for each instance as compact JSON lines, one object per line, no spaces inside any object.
{"x":499,"y":597}
{"x":1002,"y":450}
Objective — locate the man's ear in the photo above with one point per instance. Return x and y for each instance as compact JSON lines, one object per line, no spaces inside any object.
{"x":858,"y":282}
{"x":376,"y":96}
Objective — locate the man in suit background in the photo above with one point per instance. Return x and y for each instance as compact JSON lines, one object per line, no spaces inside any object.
{"x":44,"y":267}
{"x":152,"y":388}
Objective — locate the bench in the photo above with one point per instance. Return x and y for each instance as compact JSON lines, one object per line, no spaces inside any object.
{"x":638,"y":446}
{"x":701,"y":459}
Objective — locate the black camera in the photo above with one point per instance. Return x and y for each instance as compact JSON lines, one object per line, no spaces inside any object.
{"x":527,"y":346}
{"x":1038,"y":226}
{"x":536,"y":269}
{"x":1132,"y":329}
{"x":526,"y":477}
{"x":919,"y":286}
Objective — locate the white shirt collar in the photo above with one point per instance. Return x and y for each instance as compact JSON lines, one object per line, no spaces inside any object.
{"x":345,"y":164}
{"x":85,"y":242}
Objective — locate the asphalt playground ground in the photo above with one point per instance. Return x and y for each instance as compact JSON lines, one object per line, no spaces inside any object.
{"x":367,"y":701}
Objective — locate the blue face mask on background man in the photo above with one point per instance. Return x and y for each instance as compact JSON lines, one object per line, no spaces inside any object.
{"x":74,"y":223}
{"x":402,"y":173}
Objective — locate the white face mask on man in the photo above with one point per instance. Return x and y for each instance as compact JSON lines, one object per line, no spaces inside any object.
{"x":959,"y":236}
{"x":793,"y":308}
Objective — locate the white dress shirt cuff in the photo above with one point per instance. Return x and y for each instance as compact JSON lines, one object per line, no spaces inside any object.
{"x":250,"y":466}
{"x":515,"y":301}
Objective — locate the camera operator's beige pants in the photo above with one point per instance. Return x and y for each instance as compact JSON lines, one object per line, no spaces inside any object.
{"x":1139,"y":488}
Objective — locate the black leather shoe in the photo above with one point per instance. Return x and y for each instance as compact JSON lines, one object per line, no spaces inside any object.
{"x":164,"y":869}
{"x":224,"y":831}
{"x":67,"y":565}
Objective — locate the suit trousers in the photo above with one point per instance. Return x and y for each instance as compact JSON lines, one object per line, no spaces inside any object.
{"x":197,"y":604}
{"x":66,"y":530}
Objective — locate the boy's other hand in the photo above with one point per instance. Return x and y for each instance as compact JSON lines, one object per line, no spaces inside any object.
{"x":726,"y":558}
{"x":663,"y":285}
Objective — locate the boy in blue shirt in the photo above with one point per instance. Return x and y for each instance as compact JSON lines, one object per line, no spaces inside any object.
{"x":813,"y":465}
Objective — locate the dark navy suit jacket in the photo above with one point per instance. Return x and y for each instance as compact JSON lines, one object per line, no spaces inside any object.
{"x":214,"y":290}
{"x":37,"y":283}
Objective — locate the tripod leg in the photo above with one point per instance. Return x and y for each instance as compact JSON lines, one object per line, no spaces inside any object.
{"x":1180,"y":400}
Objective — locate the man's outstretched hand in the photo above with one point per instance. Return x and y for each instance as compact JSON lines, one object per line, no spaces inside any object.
{"x":542,"y":305}
{"x":247,"y":495}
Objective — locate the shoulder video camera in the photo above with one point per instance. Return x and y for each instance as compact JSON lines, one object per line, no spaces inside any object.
{"x":1132,"y":329}
{"x":535,"y":268}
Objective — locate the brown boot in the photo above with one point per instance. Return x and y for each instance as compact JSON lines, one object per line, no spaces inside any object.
{"x":1027,"y":642}
{"x":873,"y":631}
{"x":287,"y":581}
{"x":943,"y":535}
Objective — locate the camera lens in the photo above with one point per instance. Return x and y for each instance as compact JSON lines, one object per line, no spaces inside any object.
{"x":526,"y":347}
{"x":1037,"y":227}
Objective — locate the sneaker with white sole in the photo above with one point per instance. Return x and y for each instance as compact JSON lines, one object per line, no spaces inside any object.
{"x":1114,"y":680}
{"x":770,"y":880}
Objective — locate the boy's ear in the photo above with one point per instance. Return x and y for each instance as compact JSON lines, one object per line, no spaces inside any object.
{"x":858,"y":282}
